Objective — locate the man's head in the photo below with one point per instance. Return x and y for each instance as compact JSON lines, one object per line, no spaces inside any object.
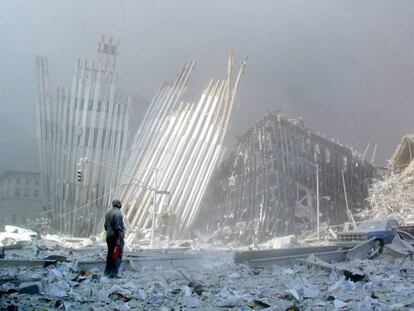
{"x":116,"y":203}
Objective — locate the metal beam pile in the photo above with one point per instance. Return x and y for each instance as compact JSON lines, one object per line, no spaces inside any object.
{"x":272,"y":188}
{"x":176,"y":149}
{"x":88,"y":119}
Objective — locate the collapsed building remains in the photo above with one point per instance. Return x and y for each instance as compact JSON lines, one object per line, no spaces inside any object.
{"x":175,"y":151}
{"x":394,"y":195}
{"x":89,"y":119}
{"x":402,"y":159}
{"x":271,"y":189}
{"x":87,"y":159}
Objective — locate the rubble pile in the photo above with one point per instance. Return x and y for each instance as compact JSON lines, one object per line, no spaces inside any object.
{"x":209,"y":279}
{"x":13,"y":235}
{"x":392,"y":198}
{"x":25,"y":244}
{"x":215,"y":283}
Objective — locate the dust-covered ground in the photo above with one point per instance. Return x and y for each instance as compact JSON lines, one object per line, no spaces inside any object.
{"x":208,"y":280}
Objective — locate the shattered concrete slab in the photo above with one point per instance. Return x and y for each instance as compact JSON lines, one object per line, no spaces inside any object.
{"x":399,"y":248}
{"x":363,"y":250}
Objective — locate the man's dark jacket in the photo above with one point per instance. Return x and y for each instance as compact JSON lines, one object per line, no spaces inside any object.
{"x":114,"y":224}
{"x":115,"y":231}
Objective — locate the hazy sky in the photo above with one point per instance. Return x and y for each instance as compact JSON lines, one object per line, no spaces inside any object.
{"x":346,"y":67}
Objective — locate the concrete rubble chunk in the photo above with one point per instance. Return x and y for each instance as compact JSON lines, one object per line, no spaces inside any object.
{"x":186,"y":291}
{"x":339,"y":304}
{"x":399,"y":248}
{"x":310,"y":293}
{"x":363,"y":250}
{"x":193,"y":302}
{"x":30,"y":288}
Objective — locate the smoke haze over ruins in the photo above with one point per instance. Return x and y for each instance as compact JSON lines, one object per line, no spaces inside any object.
{"x":346,"y":67}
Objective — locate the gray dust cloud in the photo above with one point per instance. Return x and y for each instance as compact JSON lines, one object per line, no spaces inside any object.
{"x":346,"y":67}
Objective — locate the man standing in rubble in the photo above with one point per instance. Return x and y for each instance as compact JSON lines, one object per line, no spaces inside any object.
{"x":115,"y":232}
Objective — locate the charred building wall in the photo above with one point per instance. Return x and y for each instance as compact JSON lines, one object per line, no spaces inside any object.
{"x":270,"y":188}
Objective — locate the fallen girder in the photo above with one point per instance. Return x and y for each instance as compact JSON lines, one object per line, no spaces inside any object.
{"x":291,"y":256}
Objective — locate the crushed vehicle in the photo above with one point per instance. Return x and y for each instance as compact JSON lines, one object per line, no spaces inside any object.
{"x":380,"y":229}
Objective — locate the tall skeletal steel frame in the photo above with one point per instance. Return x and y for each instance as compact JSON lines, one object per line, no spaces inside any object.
{"x":88,"y":119}
{"x":185,"y":140}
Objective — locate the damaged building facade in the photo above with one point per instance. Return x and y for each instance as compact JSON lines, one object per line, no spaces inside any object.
{"x":270,"y":185}
{"x":89,"y":120}
{"x":19,"y":197}
{"x":175,"y":152}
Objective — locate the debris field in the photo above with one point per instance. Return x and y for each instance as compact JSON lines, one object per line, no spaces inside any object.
{"x":209,"y":281}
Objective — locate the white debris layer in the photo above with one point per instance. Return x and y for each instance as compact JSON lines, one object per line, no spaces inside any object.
{"x":392,"y":198}
{"x":13,"y":235}
{"x":279,"y":242}
{"x":23,"y":245}
{"x":69,"y":242}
